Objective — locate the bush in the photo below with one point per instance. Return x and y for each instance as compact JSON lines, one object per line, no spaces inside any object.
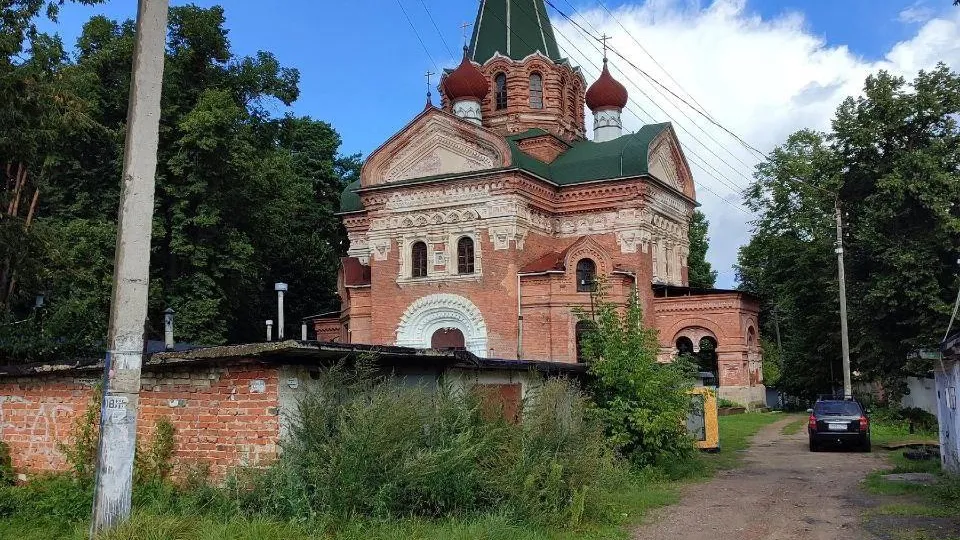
{"x":367,"y":446}
{"x":7,"y":476}
{"x":643,"y":404}
{"x":901,"y":418}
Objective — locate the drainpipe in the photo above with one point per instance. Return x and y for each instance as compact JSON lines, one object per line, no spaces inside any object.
{"x":519,"y":322}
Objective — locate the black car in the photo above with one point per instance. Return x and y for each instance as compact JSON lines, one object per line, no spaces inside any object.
{"x":838,"y":421}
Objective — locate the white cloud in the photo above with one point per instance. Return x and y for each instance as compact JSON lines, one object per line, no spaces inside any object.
{"x":916,"y":13}
{"x":761,"y":78}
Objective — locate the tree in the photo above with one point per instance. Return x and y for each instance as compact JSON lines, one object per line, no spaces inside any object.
{"x":245,"y":198}
{"x":700,"y":273}
{"x":643,"y":403}
{"x":892,"y":163}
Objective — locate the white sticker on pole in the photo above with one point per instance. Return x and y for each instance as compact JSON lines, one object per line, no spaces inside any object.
{"x":116,"y":409}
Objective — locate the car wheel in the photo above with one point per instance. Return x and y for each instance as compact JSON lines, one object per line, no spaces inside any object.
{"x":865,"y":446}
{"x":813,"y":445}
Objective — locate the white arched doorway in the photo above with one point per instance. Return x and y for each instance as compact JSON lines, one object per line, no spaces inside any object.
{"x":425,"y":316}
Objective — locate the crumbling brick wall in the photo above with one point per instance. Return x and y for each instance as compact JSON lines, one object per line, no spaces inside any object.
{"x":223,"y":417}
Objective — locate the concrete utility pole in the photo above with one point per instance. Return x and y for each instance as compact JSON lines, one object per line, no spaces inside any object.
{"x":131,"y":276}
{"x":844,"y":340}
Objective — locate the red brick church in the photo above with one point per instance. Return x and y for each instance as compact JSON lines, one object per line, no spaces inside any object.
{"x":488,"y":219}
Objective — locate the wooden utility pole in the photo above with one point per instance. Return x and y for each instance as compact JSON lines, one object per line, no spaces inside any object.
{"x":131,"y":275}
{"x":844,"y":340}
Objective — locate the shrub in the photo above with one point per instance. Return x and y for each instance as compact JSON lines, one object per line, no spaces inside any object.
{"x":81,"y":449}
{"x":7,"y":476}
{"x":370,"y":446}
{"x":643,"y":404}
{"x":155,"y":463}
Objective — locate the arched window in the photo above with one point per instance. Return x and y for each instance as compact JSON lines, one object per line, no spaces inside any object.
{"x":536,"y":91}
{"x":419,"y":260}
{"x":465,"y":255}
{"x":707,"y":355}
{"x":684,"y":345}
{"x":586,"y":275}
{"x":500,"y":90}
{"x":583,"y":328}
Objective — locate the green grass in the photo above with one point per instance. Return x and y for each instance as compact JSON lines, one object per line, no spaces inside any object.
{"x":735,"y":433}
{"x":794,"y":427}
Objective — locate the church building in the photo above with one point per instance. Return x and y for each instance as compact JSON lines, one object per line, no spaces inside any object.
{"x":487,"y":221}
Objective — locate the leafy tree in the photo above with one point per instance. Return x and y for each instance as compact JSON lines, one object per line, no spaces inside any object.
{"x":891,"y":163}
{"x":245,"y":198}
{"x":700,"y":272}
{"x":643,"y":403}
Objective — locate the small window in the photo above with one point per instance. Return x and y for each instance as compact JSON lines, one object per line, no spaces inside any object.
{"x":465,"y":255}
{"x":419,"y":253}
{"x":586,"y":275}
{"x":536,"y":91}
{"x":500,"y":93}
{"x":583,"y":328}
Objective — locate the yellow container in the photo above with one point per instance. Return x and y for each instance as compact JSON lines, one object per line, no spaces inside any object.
{"x":702,"y":422}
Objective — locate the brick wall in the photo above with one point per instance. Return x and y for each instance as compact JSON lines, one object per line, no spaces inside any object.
{"x":223,"y":416}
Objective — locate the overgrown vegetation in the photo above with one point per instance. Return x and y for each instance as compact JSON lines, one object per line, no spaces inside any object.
{"x":376,"y":458}
{"x":80,"y":448}
{"x":363,"y":446}
{"x":643,"y":404}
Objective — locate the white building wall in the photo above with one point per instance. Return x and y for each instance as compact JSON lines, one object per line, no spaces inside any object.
{"x":923,"y":394}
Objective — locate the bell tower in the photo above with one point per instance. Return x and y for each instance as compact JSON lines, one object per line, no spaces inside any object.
{"x":529,"y":84}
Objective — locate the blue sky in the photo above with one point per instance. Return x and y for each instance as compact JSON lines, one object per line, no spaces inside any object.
{"x":362,"y":66}
{"x":763,"y":68}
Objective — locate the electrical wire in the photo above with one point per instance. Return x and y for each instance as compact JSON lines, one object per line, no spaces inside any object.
{"x":416,"y":33}
{"x":679,"y":109}
{"x":437,"y":28}
{"x":688,"y":150}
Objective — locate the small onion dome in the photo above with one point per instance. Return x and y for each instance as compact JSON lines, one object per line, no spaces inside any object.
{"x":606,"y":92}
{"x":466,"y":82}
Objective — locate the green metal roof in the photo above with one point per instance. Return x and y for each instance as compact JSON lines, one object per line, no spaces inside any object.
{"x":584,"y":161}
{"x":513,"y":28}
{"x":350,"y":199}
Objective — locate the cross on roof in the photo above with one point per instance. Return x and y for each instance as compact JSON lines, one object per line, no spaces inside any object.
{"x":429,"y":74}
{"x":464,"y":27}
{"x":604,"y":39}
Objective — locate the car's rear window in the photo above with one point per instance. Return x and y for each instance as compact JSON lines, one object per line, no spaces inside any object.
{"x":837,"y":408}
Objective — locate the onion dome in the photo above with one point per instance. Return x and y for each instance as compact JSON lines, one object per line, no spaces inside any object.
{"x":606,"y":92}
{"x":466,"y":82}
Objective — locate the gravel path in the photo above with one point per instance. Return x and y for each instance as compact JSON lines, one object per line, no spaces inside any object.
{"x":782,"y":491}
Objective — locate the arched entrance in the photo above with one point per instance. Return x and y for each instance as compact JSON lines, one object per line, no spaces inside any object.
{"x":443,"y":314}
{"x":448,"y":338}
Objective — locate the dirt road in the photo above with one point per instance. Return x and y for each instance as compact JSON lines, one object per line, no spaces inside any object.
{"x":781,"y":492}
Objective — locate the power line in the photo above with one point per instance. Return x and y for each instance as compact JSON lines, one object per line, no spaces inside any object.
{"x":437,"y":28}
{"x":658,"y":83}
{"x":704,"y":163}
{"x":654,"y":60}
{"x":734,"y":186}
{"x":416,"y":33}
{"x":691,"y":155}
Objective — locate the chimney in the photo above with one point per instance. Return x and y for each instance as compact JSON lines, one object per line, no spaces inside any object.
{"x":280,"y":288}
{"x":269,"y":329}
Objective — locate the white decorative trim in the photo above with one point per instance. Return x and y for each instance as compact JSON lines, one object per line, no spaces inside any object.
{"x":431,"y":313}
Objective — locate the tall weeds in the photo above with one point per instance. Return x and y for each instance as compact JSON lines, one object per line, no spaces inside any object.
{"x":367,"y":446}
